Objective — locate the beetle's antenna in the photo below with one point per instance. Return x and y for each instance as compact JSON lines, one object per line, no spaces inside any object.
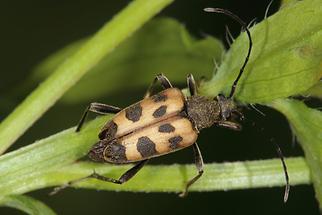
{"x":244,"y":25}
{"x":287,"y":186}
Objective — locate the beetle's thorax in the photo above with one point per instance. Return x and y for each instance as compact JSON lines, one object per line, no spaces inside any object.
{"x":205,"y":112}
{"x":202,"y":111}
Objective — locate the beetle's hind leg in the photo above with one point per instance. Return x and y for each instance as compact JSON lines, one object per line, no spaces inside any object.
{"x":164,"y":81}
{"x":97,"y":108}
{"x":192,"y":85}
{"x":124,"y":178}
{"x":199,"y":165}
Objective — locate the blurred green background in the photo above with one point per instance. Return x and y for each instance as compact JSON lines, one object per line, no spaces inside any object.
{"x":30,"y":31}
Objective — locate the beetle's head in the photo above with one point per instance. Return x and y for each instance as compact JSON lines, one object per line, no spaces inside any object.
{"x":228,"y":108}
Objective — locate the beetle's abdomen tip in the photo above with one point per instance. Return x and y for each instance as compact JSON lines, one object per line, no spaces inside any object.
{"x":97,"y":152}
{"x":108,"y":151}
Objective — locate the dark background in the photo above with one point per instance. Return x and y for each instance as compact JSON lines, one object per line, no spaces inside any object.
{"x":31,"y":30}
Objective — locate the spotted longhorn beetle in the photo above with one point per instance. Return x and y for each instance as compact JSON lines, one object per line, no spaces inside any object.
{"x":161,"y":124}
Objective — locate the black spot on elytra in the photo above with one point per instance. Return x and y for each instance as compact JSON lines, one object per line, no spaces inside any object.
{"x":133,"y":113}
{"x":115,"y":152}
{"x":160,"y":111}
{"x":160,"y":97}
{"x":146,"y":147}
{"x":108,"y":131}
{"x":166,"y":128}
{"x":174,"y":141}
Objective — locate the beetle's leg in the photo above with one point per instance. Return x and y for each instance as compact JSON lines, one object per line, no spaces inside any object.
{"x":97,"y":108}
{"x":228,"y":124}
{"x":192,"y":85}
{"x":164,"y":81}
{"x":199,"y":165}
{"x":124,"y":178}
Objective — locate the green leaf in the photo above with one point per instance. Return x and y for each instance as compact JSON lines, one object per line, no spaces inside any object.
{"x":315,"y":91}
{"x":27,"y":204}
{"x":306,"y":123}
{"x":162,"y":46}
{"x":287,"y":3}
{"x":72,"y":69}
{"x":286,"y":58}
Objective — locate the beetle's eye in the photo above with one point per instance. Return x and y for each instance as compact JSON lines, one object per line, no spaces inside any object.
{"x":226,"y":114}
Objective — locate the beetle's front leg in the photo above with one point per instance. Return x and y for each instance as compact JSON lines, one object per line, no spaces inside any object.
{"x":124,"y":178}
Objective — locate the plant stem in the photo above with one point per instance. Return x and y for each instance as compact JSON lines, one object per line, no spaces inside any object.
{"x":172,"y":178}
{"x":26,"y":204}
{"x":51,"y":162}
{"x":69,"y":72}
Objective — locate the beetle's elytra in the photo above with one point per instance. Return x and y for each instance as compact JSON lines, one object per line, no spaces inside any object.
{"x":160,"y":124}
{"x":154,"y":126}
{"x":149,"y":128}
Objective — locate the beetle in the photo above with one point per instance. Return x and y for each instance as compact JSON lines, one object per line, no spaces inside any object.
{"x":162,"y":123}
{"x":158,"y":125}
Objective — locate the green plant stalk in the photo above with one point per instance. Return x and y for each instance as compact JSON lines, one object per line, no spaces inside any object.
{"x":69,"y":72}
{"x":50,"y":162}
{"x":26,"y":204}
{"x":172,"y":178}
{"x":47,"y":154}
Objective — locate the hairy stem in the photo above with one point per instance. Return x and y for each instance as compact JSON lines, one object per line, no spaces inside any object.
{"x":55,"y":166}
{"x":172,"y":178}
